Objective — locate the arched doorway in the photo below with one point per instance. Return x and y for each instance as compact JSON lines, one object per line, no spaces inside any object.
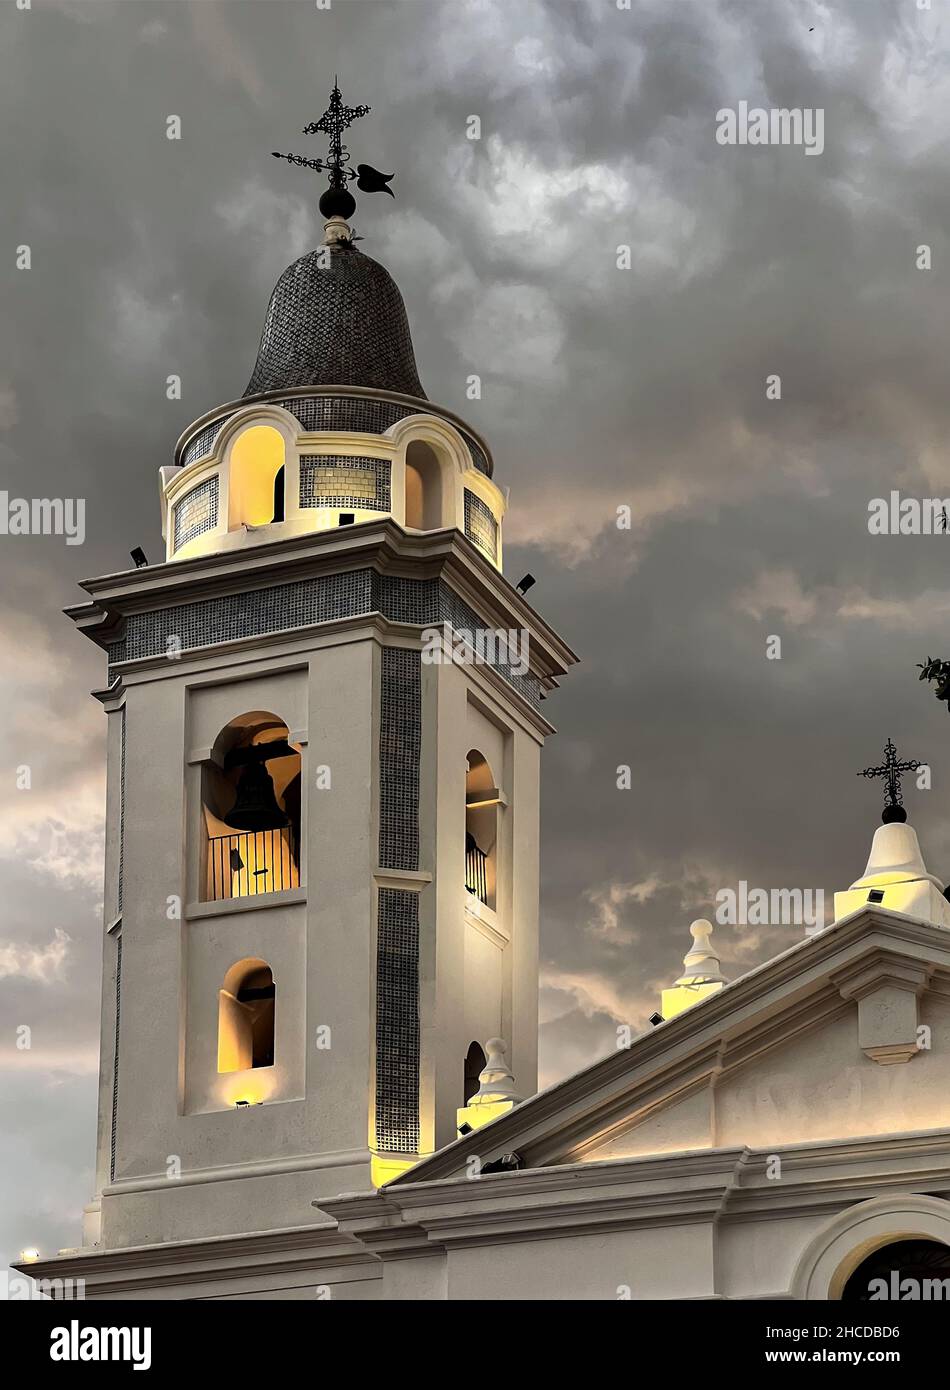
{"x":905,"y":1270}
{"x":848,"y":1239}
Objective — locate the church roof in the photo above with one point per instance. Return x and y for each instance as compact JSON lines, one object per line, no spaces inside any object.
{"x":336,"y":318}
{"x":749,"y":1027}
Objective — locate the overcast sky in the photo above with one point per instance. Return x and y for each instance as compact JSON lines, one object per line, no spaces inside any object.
{"x":603,"y":387}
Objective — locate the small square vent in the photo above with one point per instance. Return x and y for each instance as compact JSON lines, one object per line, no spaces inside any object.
{"x":876,"y":895}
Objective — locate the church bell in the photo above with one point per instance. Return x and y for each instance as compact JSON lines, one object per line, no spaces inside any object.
{"x":255,"y":805}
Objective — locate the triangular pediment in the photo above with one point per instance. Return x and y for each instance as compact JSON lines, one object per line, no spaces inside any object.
{"x":842,"y":1035}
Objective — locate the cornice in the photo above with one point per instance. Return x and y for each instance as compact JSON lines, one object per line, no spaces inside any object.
{"x":715,"y":1185}
{"x":673,"y":1189}
{"x":381,"y":545}
{"x":302,"y":641}
{"x":200,"y":1261}
{"x":779,"y":993}
{"x":726,"y":1185}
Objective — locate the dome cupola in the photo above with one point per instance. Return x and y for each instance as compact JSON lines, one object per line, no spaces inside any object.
{"x":336,"y":318}
{"x":334,"y":428}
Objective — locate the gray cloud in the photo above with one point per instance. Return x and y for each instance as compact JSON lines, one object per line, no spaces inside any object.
{"x":602,"y":387}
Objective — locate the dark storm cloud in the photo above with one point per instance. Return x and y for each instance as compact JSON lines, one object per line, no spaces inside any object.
{"x":602,"y":387}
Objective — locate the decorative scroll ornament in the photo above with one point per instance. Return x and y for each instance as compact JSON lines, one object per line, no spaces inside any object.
{"x":338,"y":201}
{"x":891,"y":771}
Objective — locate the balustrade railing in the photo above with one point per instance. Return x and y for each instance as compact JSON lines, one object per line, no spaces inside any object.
{"x":250,"y":862}
{"x":476,"y":873}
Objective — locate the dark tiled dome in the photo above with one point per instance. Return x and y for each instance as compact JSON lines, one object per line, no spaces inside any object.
{"x":339,"y":325}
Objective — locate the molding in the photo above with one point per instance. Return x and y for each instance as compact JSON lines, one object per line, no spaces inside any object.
{"x":829,"y":1179}
{"x":226,"y":907}
{"x":882,"y":968}
{"x":493,"y":797}
{"x":299,"y":1163}
{"x":254,"y":1260}
{"x":411,"y":880}
{"x":203,"y":755}
{"x":710,"y":1185}
{"x":886,"y":987}
{"x":833,"y":1254}
{"x":488,"y":926}
{"x":383,"y":545}
{"x":545,"y":1203}
{"x":303,"y":641}
{"x":796,"y":985}
{"x":422,"y":407}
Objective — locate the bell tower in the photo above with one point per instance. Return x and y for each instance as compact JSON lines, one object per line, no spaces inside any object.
{"x":325,"y":725}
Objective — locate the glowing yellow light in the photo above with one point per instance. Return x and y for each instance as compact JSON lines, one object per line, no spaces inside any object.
{"x":248,"y":1088}
{"x":385,"y":1167}
{"x":260,"y":874}
{"x":890,"y":876}
{"x":29,"y":1256}
{"x":682,"y":997}
{"x":256,"y":456}
{"x":477,"y":1115}
{"x":249,"y":863}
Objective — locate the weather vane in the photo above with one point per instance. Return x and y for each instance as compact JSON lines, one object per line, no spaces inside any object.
{"x":891,"y":770}
{"x":338,"y":201}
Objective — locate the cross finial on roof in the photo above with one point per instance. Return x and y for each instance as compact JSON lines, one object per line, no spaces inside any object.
{"x":338,"y":201}
{"x":891,"y":770}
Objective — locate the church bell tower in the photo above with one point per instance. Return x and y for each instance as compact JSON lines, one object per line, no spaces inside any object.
{"x":324,"y":735}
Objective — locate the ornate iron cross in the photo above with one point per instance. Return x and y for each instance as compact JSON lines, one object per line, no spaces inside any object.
{"x":337,"y":201}
{"x":891,"y":770}
{"x":335,"y":119}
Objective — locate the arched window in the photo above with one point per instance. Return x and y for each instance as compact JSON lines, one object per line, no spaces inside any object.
{"x":481,"y":829}
{"x":246,"y":1004}
{"x":881,"y":1276}
{"x":423,"y":487}
{"x":256,"y":462}
{"x":251,"y":810}
{"x":474,"y":1066}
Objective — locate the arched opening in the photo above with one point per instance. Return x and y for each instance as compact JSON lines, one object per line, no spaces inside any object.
{"x":481,"y":829}
{"x":423,"y":487}
{"x":256,"y":460}
{"x":250,"y":792}
{"x":905,"y":1270}
{"x":837,"y":1249}
{"x":246,"y":1014}
{"x":474,"y":1066}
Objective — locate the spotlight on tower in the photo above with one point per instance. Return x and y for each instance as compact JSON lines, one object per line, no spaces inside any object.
{"x":526,"y":582}
{"x":139,"y":558}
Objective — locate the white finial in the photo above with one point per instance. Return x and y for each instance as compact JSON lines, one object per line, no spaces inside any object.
{"x":495,"y":1081}
{"x":337,"y":229}
{"x":701,"y":963}
{"x":895,"y":856}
